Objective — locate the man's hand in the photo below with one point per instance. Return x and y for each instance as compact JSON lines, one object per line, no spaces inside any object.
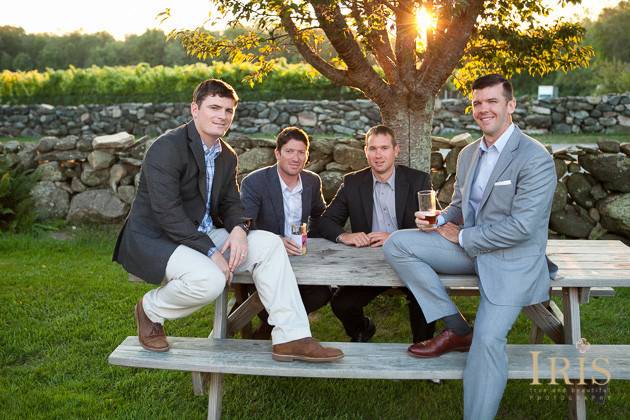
{"x":237,"y":244}
{"x":423,"y":224}
{"x":449,"y":231}
{"x":358,"y":239}
{"x":291,"y":247}
{"x":377,"y":238}
{"x":219,"y":260}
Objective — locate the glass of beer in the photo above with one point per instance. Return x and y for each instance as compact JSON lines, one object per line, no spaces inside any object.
{"x":426,"y":206}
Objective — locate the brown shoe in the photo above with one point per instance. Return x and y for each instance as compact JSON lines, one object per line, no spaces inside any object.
{"x":444,"y":342}
{"x":306,"y":349}
{"x":151,"y":334}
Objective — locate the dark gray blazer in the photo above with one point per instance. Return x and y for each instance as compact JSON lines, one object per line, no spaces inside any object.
{"x":262,"y":199}
{"x":171,"y":202}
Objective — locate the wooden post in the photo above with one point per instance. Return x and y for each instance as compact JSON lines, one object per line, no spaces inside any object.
{"x":215,"y":385}
{"x":572,"y":333}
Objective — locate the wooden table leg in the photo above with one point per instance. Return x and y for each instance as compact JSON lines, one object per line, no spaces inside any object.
{"x":546,"y":319}
{"x":572,"y":333}
{"x":241,"y":293}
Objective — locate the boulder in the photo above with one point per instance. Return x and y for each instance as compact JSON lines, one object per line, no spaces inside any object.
{"x":331,"y":180}
{"x":12,"y":146}
{"x":97,"y":206}
{"x":63,"y":155}
{"x":608,"y":145}
{"x":66,"y":143}
{"x":26,"y":156}
{"x":571,"y":222}
{"x":77,"y":186}
{"x":100,"y":159}
{"x":438,"y":177}
{"x":256,"y":158}
{"x":349,"y":156}
{"x":451,"y":160}
{"x":559,"y":197}
{"x":120,"y":140}
{"x":446,"y":191}
{"x":126,"y":193}
{"x":462,"y":140}
{"x":336,"y":166}
{"x":612,"y":169}
{"x":49,"y":171}
{"x":437,"y":160}
{"x":46,"y":144}
{"x":625,"y":148}
{"x":318,"y":165}
{"x":615,"y":213}
{"x":94,"y":177}
{"x":561,"y":167}
{"x":307,"y":119}
{"x":50,"y":201}
{"x":580,"y":190}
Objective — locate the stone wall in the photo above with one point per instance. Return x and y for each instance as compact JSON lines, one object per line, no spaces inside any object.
{"x":94,"y":179}
{"x":349,"y":118}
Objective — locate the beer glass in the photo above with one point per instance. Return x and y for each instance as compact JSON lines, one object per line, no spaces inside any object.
{"x":426,"y":206}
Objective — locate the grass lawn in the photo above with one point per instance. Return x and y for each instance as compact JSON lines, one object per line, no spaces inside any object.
{"x":64,"y":306}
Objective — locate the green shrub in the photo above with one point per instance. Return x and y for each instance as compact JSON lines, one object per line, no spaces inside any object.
{"x":143,"y":83}
{"x":17,"y":213}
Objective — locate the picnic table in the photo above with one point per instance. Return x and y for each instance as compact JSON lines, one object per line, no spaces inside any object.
{"x":586,"y":269}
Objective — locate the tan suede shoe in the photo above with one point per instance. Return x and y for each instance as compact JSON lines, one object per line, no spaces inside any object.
{"x":150,"y":334}
{"x":306,"y":349}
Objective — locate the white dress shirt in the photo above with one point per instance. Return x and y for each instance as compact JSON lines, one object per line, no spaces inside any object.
{"x":292,"y":203}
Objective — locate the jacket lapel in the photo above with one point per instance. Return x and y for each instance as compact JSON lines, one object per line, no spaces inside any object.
{"x":504,"y":160}
{"x":468,"y":180}
{"x":194,"y":142}
{"x":367,"y":196}
{"x":275,"y":192}
{"x":401,"y":192}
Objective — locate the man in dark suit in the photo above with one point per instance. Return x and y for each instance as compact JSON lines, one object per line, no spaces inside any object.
{"x":278,"y":197}
{"x":187,"y":230}
{"x":378,"y":200}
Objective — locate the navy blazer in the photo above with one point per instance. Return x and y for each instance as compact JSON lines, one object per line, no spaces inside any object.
{"x":355,"y":200}
{"x":261,"y":195}
{"x":171,"y":203}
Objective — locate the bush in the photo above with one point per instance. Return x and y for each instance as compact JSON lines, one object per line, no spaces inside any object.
{"x":17,"y":213}
{"x":143,"y":83}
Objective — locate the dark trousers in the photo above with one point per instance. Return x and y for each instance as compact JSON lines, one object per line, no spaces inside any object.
{"x":313,"y":297}
{"x":349,"y":301}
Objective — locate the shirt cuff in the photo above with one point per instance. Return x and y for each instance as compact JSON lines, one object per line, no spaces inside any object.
{"x":211,"y":251}
{"x":440,"y":220}
{"x":460,"y":238}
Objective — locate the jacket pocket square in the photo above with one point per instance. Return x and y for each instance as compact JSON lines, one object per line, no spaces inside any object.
{"x":506,"y":182}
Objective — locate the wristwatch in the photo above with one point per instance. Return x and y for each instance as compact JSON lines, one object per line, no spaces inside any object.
{"x":246,"y":225}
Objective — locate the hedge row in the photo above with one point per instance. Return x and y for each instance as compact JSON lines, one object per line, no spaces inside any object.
{"x":143,"y":83}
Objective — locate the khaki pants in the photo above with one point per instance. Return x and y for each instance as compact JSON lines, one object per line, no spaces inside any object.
{"x":192,"y":280}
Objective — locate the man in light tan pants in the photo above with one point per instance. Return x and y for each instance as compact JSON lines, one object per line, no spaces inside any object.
{"x":186,"y":230}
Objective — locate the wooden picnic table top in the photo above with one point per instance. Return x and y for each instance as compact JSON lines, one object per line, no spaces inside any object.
{"x":582,"y":263}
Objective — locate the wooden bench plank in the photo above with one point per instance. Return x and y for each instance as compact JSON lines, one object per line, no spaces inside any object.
{"x":362,"y":360}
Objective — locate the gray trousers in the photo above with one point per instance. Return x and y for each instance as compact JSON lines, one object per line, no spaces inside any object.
{"x":417,"y":257}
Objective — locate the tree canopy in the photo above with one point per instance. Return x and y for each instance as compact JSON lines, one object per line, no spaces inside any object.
{"x":399,"y":53}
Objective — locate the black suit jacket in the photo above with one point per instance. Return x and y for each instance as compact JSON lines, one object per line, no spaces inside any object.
{"x":262,"y":199}
{"x":171,"y":202}
{"x":354,"y":199}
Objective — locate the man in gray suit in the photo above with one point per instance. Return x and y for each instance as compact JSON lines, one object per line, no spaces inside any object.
{"x":187,"y":230}
{"x":496,"y":227}
{"x":285,"y":194}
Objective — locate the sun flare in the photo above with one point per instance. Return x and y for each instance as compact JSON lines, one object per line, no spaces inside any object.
{"x":425,"y":22}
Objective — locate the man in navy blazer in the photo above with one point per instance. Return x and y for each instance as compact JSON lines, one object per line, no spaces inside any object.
{"x":285,"y":194}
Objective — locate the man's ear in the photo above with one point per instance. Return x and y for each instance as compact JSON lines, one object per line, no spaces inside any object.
{"x":194,"y":109}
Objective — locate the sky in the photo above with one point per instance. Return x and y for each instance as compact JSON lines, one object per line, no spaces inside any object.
{"x":122,"y":17}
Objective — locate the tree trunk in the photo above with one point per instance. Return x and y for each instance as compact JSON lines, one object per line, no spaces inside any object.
{"x":412,"y":122}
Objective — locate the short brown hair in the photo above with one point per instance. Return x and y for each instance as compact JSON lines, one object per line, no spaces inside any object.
{"x":213,"y":87}
{"x":380,"y":129}
{"x":291,"y":133}
{"x":490,"y":80}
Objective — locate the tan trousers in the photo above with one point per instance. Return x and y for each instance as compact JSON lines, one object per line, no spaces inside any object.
{"x":193,"y":280}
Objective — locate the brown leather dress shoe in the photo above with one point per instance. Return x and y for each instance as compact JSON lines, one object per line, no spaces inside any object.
{"x":150,"y":334}
{"x":444,"y":342}
{"x":306,"y":349}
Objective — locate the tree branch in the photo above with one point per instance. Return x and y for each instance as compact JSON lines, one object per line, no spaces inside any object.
{"x":337,"y":76}
{"x":441,"y":61}
{"x":406,"y":34}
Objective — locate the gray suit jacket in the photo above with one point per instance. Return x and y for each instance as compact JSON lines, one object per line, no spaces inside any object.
{"x":171,"y":203}
{"x":508,"y":235}
{"x":262,"y":199}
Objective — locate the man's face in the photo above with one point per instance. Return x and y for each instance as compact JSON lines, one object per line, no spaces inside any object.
{"x":492,"y":111}
{"x":291,"y":157}
{"x":380,"y":153}
{"x":213,"y":117}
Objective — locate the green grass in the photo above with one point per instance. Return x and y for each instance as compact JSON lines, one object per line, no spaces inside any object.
{"x":25,"y":139}
{"x":64,"y":306}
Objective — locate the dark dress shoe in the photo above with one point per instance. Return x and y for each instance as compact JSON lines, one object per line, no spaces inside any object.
{"x":444,"y":342}
{"x":367,"y":333}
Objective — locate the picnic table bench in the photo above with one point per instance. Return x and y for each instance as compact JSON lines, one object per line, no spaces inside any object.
{"x":586,"y":269}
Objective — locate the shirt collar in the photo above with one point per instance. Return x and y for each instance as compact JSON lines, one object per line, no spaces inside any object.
{"x":215,"y":149}
{"x":391,"y":181}
{"x":285,"y":187}
{"x":499,"y":145}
